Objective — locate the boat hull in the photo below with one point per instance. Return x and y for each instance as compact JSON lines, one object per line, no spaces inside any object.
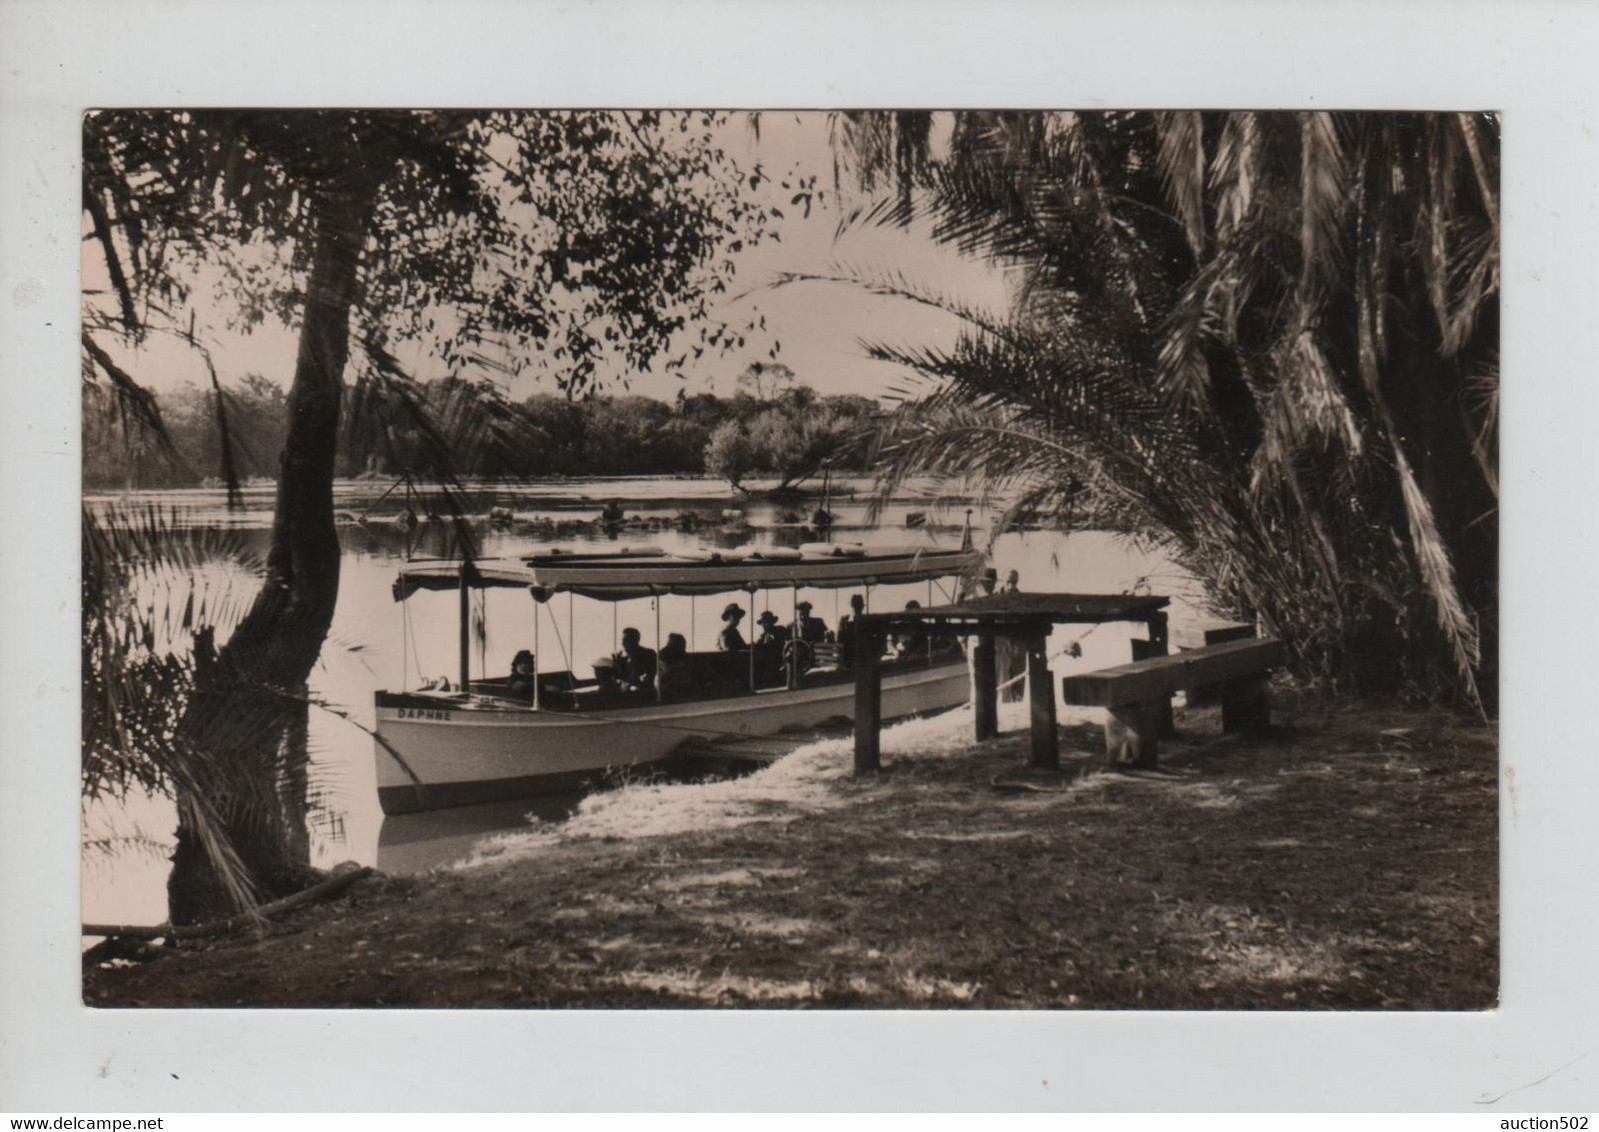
{"x":433,"y":757}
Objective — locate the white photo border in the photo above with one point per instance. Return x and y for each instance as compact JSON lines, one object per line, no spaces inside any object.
{"x":1531,"y":60}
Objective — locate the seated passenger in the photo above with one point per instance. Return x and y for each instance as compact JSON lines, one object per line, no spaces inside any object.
{"x":770,"y":650}
{"x":522,"y":669}
{"x":811,"y":630}
{"x":913,"y":643}
{"x":730,"y":639}
{"x":773,"y":635}
{"x":634,"y":665}
{"x":846,"y":631}
{"x":671,"y":674}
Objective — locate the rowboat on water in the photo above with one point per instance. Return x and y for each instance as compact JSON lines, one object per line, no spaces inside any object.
{"x":490,"y":737}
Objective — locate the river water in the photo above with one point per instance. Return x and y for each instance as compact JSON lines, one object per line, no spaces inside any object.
{"x":376,"y":642}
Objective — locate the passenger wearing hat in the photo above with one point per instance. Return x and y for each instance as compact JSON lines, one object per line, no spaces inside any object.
{"x":811,"y":630}
{"x":773,"y":635}
{"x":770,"y":648}
{"x":730,"y":639}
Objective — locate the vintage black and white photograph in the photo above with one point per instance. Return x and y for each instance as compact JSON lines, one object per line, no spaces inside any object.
{"x":847,"y":559}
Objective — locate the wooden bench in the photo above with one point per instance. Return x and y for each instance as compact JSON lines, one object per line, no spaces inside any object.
{"x":1202,"y":635}
{"x":1138,"y":694}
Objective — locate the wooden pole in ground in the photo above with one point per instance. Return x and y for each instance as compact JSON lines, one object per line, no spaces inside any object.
{"x":1041,"y":695}
{"x":985,"y":688}
{"x":868,"y":698}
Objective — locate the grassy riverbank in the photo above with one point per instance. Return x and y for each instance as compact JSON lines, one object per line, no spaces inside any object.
{"x":1348,"y":860}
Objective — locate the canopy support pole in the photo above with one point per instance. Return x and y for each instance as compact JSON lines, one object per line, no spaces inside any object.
{"x":750,"y":644}
{"x":656,"y":601}
{"x":793,"y":638}
{"x":536,"y":620}
{"x":466,"y":630}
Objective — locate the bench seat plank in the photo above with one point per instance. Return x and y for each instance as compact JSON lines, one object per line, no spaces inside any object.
{"x":1163,"y":677}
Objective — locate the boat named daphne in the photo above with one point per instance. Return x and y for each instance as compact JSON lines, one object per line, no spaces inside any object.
{"x":534,"y":730}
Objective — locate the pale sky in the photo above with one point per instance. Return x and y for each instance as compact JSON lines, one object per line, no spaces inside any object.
{"x":818,"y":326}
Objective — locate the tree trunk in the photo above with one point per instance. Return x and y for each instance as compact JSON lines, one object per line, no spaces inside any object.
{"x":1466,"y":510}
{"x":247,"y":719}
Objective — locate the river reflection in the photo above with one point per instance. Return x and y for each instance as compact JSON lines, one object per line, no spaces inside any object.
{"x":414,"y":843}
{"x":376,"y":642}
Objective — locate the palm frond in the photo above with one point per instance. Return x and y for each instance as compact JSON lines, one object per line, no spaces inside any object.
{"x":1182,"y":169}
{"x":1203,"y":341}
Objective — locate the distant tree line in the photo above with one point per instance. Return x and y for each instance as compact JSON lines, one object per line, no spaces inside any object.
{"x":787,"y":434}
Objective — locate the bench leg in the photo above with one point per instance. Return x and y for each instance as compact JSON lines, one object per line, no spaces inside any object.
{"x":1131,"y":735}
{"x":1245,"y":704}
{"x":1211,"y":693}
{"x":868,"y":703}
{"x":985,"y":688}
{"x":1041,"y":693}
{"x":1145,"y":650}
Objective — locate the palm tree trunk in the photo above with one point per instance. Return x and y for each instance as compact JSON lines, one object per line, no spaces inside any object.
{"x":248,"y":712}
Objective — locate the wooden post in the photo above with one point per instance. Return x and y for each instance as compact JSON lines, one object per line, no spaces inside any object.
{"x":1159,"y":644}
{"x":1159,"y":635}
{"x":868,"y":698}
{"x":1041,"y":696}
{"x":985,"y":688}
{"x":1165,"y":724}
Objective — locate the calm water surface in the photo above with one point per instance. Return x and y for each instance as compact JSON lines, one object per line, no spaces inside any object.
{"x":376,"y":642}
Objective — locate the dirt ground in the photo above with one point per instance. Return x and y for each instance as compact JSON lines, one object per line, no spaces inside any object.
{"x":1348,"y":860}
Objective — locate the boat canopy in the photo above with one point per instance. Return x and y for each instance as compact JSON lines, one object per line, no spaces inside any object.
{"x":618,"y":577}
